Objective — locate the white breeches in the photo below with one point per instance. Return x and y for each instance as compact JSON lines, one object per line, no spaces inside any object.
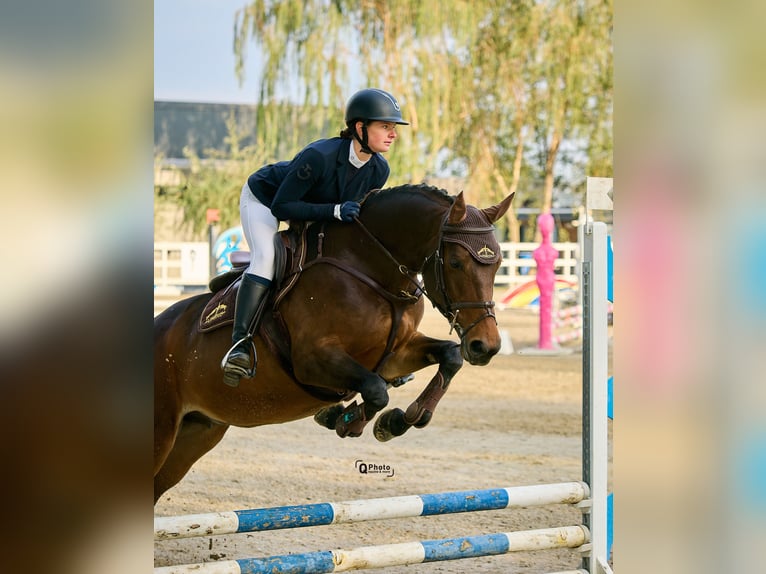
{"x":259,"y":227}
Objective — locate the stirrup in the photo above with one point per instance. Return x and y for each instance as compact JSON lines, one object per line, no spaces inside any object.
{"x":238,"y":369}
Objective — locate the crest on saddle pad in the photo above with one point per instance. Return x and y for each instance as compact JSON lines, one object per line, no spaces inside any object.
{"x":478,"y":237}
{"x":219,"y":311}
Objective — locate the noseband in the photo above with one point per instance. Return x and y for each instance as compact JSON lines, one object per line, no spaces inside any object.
{"x":446,"y":306}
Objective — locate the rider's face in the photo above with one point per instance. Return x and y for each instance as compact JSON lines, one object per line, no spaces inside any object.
{"x":380,"y":135}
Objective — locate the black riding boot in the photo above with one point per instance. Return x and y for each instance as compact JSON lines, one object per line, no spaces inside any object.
{"x":247,"y":313}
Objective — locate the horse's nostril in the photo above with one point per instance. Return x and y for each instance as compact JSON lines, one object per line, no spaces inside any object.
{"x":478,"y":347}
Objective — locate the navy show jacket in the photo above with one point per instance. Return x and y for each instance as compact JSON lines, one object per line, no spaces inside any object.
{"x":308,"y":187}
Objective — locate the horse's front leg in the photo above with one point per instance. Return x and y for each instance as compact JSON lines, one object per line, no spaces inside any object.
{"x":333,"y":368}
{"x":420,"y":353}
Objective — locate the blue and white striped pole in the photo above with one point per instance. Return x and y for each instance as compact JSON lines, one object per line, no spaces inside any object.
{"x":395,"y":554}
{"x":281,"y":517}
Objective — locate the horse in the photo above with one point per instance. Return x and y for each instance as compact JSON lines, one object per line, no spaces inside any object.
{"x":343,"y":322}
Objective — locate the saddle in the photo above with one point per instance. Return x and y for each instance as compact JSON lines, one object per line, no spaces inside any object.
{"x":290,"y":255}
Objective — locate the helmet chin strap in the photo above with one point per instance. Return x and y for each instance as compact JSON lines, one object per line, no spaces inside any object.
{"x":363,"y":140}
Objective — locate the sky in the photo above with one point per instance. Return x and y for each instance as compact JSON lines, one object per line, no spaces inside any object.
{"x":193,"y":53}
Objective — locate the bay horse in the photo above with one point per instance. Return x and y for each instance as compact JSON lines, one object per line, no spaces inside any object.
{"x":343,"y":322}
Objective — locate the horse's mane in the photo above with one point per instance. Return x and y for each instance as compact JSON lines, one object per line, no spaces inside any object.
{"x":403,"y":191}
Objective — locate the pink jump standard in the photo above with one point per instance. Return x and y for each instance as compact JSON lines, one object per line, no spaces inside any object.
{"x":545,"y":257}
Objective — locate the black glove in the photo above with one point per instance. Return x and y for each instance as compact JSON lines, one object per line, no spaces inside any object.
{"x":347,"y":211}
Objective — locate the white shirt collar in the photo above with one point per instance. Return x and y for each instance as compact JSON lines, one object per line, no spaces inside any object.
{"x":353,"y":158}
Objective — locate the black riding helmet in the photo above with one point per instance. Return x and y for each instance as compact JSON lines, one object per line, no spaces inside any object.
{"x":372,"y":104}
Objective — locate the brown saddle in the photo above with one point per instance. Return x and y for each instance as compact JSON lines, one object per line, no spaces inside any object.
{"x":290,"y":255}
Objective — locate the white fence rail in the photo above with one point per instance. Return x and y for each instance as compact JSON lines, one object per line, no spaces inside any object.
{"x":179,"y":264}
{"x":519,"y":265}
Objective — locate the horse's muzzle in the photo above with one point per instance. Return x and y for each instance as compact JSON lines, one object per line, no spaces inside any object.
{"x":477,"y":351}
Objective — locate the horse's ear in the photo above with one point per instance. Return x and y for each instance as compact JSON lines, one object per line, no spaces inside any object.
{"x":497,"y":211}
{"x":457,"y":213}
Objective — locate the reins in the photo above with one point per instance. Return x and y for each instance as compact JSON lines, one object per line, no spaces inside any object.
{"x":408,"y":273}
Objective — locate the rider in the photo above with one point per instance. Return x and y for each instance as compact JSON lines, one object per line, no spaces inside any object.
{"x":324,"y":181}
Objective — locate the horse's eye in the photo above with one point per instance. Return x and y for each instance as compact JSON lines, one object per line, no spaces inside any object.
{"x":455,"y":264}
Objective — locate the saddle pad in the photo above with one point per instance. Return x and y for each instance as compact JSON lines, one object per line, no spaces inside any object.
{"x":219,"y":311}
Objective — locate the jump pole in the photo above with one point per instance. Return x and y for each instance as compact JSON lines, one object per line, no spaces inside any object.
{"x":395,"y":554}
{"x":282,"y":517}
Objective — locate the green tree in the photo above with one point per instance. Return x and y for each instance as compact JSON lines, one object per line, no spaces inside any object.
{"x":494,"y":90}
{"x":410,"y":48}
{"x":573,"y":91}
{"x":214,"y":182}
{"x":493,"y":140}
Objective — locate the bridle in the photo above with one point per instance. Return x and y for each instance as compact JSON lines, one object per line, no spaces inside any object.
{"x":441,"y":299}
{"x":444,"y":303}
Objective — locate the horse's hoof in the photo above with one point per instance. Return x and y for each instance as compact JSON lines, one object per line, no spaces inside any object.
{"x":399,"y":381}
{"x":328,"y":416}
{"x":390,"y":425}
{"x":381,"y":434}
{"x":424,"y":419}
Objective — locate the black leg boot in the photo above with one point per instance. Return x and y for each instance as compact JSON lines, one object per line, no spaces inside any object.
{"x":247,"y":313}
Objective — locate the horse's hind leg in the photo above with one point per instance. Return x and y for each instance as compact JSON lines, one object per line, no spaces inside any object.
{"x":196,"y":436}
